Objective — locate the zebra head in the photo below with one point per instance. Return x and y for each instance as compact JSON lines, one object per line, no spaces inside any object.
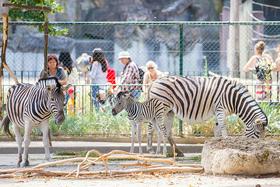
{"x":257,"y":128}
{"x":55,"y":98}
{"x":119,"y":102}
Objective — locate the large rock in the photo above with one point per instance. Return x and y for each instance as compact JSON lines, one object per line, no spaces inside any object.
{"x":241,"y":155}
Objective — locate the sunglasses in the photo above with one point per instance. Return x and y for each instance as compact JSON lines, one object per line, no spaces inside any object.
{"x":150,"y":68}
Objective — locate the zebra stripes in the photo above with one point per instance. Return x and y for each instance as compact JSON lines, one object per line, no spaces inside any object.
{"x":153,"y":111}
{"x":32,"y":105}
{"x":197,"y":99}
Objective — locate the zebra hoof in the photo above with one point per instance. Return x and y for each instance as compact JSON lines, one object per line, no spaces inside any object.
{"x":25,"y":164}
{"x":18,"y":164}
{"x":49,"y":159}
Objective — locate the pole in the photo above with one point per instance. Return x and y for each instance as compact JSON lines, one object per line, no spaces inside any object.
{"x":46,"y":38}
{"x":233,"y":42}
{"x":181,"y":66}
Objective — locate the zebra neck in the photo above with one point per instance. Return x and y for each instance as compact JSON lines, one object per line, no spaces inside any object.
{"x":248,"y":110}
{"x":131,"y":105}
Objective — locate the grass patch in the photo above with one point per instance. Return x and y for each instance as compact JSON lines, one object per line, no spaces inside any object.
{"x":76,"y":153}
{"x":195,"y":158}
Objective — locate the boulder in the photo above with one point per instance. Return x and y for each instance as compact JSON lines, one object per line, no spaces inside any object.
{"x":241,"y":156}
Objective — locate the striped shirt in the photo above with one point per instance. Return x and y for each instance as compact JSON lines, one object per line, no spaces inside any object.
{"x":130,"y":75}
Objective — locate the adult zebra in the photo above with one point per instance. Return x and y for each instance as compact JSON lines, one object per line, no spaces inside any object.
{"x":31,"y":106}
{"x":197,"y":99}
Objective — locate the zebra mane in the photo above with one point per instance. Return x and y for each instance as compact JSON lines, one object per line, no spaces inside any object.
{"x":51,"y":81}
{"x":121,"y":93}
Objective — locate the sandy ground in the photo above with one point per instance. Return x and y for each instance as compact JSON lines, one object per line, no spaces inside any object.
{"x":184,"y":180}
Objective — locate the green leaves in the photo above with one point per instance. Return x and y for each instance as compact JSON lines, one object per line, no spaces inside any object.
{"x":34,"y":15}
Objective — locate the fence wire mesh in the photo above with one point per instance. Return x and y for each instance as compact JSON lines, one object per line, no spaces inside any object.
{"x":178,"y":48}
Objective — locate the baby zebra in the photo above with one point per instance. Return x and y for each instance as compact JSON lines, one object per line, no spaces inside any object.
{"x":153,"y":111}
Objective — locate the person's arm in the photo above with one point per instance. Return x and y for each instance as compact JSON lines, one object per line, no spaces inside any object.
{"x":145,"y":82}
{"x":277,"y":62}
{"x":93,"y":71}
{"x":250,"y":66}
{"x":273,"y":64}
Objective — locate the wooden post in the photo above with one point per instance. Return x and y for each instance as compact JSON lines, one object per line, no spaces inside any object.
{"x":5,"y":19}
{"x":46,"y":47}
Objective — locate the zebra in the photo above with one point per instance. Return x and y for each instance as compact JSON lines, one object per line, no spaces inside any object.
{"x":153,"y":111}
{"x":31,"y":106}
{"x":196,"y":99}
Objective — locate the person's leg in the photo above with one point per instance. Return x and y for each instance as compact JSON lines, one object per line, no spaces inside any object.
{"x":260,"y":90}
{"x":136,"y":94}
{"x":94,"y":92}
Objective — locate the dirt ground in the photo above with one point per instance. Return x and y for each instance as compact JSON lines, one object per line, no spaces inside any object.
{"x":178,"y":180}
{"x":184,"y":180}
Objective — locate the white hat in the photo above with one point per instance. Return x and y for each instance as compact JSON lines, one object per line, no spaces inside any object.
{"x":124,"y":54}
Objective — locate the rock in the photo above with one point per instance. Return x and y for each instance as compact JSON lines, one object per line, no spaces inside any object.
{"x":241,"y":155}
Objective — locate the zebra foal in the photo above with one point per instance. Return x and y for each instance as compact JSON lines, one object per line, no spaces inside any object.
{"x":31,"y":106}
{"x":152,"y":111}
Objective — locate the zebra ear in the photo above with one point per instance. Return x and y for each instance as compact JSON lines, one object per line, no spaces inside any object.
{"x":126,"y":94}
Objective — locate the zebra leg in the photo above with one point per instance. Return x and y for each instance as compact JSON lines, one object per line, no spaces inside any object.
{"x":133,"y":128}
{"x":221,"y":128}
{"x":217,"y":130}
{"x":139,"y":135}
{"x":163,"y":132}
{"x":150,"y":137}
{"x":158,"y":138}
{"x":168,"y":124}
{"x":19,"y":142}
{"x":45,"y":130}
{"x":27,"y":132}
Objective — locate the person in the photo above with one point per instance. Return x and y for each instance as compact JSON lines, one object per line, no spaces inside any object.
{"x":150,"y":76}
{"x":111,"y":76}
{"x":261,"y":64}
{"x":66,"y":62}
{"x":71,"y":101}
{"x":54,"y":70}
{"x":277,"y":61}
{"x":82,"y":65}
{"x":129,"y":75}
{"x":98,"y":76}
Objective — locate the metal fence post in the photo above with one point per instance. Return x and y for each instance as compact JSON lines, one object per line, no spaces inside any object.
{"x":181,"y":66}
{"x":206,"y":71}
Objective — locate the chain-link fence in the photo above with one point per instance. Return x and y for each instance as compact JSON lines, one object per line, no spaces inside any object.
{"x":178,"y":48}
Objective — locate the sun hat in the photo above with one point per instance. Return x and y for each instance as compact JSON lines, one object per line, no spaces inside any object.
{"x":124,"y":54}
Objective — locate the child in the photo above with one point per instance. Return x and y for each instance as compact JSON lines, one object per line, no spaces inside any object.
{"x":71,"y":101}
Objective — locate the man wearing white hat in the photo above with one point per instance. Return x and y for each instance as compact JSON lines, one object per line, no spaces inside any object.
{"x":129,"y":75}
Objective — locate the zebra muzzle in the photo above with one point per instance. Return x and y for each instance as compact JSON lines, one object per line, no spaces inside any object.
{"x":114,"y":112}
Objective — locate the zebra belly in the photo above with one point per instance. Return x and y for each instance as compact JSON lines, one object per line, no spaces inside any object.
{"x":202,"y":118}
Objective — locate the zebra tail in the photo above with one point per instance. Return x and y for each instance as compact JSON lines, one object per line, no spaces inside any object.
{"x":5,"y":124}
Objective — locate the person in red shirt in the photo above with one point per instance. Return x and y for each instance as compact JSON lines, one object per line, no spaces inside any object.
{"x":111,"y":76}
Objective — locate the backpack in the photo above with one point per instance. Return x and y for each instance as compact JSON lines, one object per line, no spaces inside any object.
{"x":141,"y":75}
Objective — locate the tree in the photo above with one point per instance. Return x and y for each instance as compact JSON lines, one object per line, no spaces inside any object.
{"x":35,"y":15}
